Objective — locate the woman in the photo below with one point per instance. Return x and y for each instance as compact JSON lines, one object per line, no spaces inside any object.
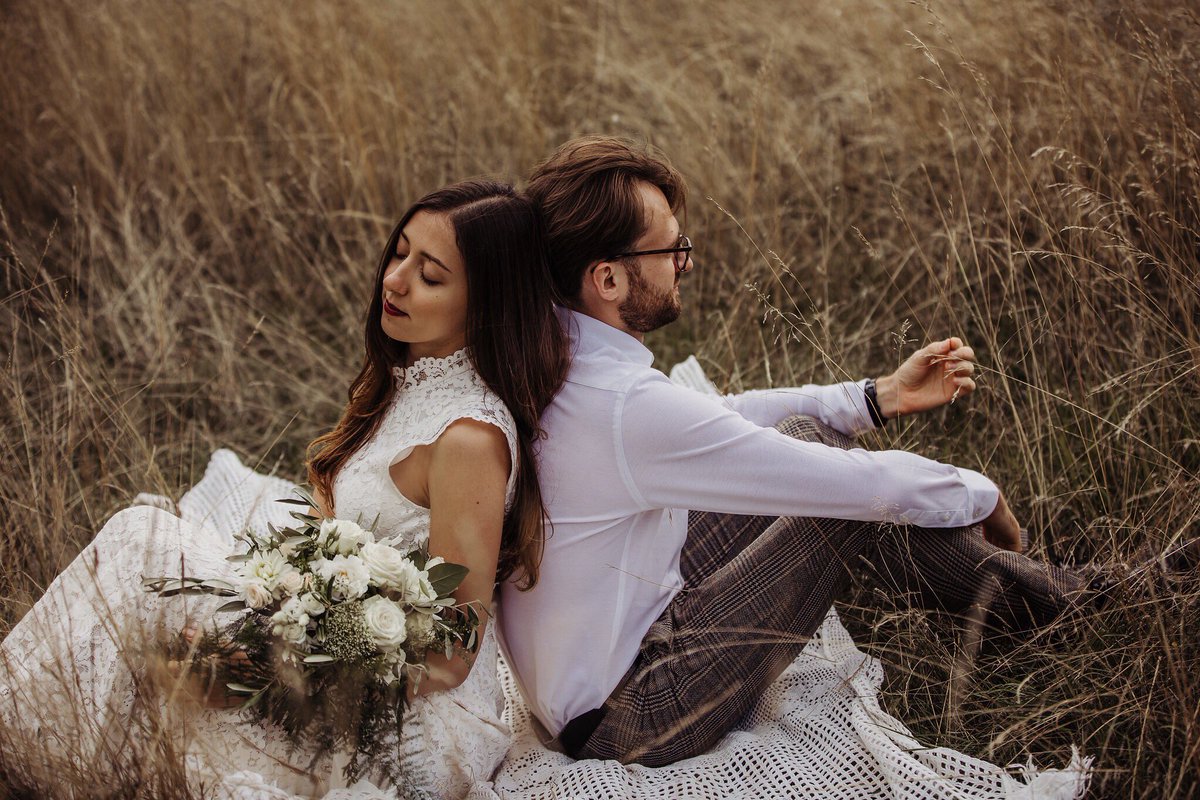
{"x":462,"y":354}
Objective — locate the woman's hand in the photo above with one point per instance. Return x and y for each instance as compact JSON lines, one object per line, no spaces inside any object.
{"x":933,"y":376}
{"x":206,"y":682}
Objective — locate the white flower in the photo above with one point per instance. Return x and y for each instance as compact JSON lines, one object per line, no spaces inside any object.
{"x":385,"y":622}
{"x":342,"y":537}
{"x":311,"y":604}
{"x":256,"y":594}
{"x":291,"y":622}
{"x":389,"y":569}
{"x":291,"y":582}
{"x":433,"y":562}
{"x":266,"y":567}
{"x":420,"y":591}
{"x":292,"y":632}
{"x":349,"y":575}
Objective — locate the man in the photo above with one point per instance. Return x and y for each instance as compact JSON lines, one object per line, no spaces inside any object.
{"x":655,"y":625}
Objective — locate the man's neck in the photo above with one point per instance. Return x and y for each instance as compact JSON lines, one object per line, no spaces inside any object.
{"x":609,"y":316}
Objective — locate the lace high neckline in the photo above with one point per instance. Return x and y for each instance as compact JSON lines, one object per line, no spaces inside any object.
{"x":432,"y":368}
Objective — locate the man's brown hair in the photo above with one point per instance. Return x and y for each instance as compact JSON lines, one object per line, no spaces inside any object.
{"x":587,"y":195}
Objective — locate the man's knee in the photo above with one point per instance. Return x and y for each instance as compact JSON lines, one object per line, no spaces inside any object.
{"x":811,"y":429}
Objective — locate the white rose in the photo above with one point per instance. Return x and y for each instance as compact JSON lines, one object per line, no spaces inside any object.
{"x":342,"y":537}
{"x":256,"y":594}
{"x":311,"y":604}
{"x":385,"y":622}
{"x":291,"y":582}
{"x":433,"y":562}
{"x":389,"y":569}
{"x":396,"y":572}
{"x":349,"y":575}
{"x":420,"y":591}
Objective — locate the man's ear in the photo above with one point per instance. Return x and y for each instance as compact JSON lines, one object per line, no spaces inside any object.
{"x":604,"y":282}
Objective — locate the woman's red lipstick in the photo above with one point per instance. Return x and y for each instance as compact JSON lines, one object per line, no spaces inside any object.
{"x":391,"y":310}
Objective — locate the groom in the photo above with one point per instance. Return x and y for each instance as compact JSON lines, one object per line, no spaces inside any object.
{"x":696,"y":543}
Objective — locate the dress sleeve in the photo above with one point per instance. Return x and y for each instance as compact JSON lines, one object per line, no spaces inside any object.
{"x":491,"y":410}
{"x":683,"y":450}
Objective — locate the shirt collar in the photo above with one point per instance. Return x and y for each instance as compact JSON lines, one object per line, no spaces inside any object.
{"x":591,"y":337}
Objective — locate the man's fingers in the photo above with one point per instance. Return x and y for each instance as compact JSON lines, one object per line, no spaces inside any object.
{"x":964,"y":353}
{"x":964,"y":386}
{"x":958,"y":368}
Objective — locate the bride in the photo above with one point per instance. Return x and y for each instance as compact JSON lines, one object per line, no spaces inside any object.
{"x":463,"y":352}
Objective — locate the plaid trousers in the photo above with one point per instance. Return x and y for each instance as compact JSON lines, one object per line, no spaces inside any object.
{"x":757,"y":588}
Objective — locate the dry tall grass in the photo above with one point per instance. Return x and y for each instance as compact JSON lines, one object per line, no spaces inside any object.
{"x":193,"y":195}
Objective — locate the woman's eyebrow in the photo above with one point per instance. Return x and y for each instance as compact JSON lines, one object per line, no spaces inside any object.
{"x":424,"y":254}
{"x":435,"y":260}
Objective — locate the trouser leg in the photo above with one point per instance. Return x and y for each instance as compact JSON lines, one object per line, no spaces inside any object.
{"x":757,"y":588}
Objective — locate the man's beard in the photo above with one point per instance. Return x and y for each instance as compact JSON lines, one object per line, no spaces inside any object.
{"x":644,"y":309}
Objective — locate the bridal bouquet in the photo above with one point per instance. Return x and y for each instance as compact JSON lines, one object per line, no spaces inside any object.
{"x":334,"y":629}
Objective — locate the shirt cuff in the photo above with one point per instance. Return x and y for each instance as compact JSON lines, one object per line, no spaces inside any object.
{"x":983,"y":494}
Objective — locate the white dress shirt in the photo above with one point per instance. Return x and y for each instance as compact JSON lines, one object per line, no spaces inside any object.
{"x":628,"y":453}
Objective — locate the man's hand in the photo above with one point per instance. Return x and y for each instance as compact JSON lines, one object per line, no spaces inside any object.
{"x":931,"y":377}
{"x":1001,"y":528}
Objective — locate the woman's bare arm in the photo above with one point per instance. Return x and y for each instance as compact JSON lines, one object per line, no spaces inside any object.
{"x":468,"y":471}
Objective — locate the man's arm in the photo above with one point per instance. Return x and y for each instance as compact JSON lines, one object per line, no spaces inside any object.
{"x":683,"y":450}
{"x":842,"y":406}
{"x":937,"y":374}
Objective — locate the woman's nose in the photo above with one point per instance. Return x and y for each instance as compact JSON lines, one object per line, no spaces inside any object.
{"x":394,"y":279}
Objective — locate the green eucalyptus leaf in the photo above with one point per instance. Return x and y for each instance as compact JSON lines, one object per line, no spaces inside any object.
{"x":445,"y":578}
{"x":292,"y":501}
{"x":241,"y":688}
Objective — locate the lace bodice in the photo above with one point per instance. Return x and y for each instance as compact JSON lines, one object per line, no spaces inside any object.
{"x":430,"y":394}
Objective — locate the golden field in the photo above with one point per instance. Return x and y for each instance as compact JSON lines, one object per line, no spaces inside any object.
{"x":194,"y":194}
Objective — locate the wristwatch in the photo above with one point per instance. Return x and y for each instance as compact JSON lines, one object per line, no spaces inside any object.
{"x":873,"y":403}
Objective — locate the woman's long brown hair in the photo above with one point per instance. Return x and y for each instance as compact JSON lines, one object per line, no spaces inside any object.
{"x":515,"y":342}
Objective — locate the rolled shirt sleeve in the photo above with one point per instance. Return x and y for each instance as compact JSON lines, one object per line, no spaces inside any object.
{"x":684,"y":450}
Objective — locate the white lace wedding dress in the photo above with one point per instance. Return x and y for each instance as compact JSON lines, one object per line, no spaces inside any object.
{"x":68,"y":674}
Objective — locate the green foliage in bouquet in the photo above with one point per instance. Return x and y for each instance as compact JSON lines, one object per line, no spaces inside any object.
{"x":332,"y":635}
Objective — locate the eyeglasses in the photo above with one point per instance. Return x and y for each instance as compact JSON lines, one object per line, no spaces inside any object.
{"x":682,"y":252}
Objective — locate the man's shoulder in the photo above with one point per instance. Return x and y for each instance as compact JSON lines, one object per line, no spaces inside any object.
{"x":600,"y":372}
